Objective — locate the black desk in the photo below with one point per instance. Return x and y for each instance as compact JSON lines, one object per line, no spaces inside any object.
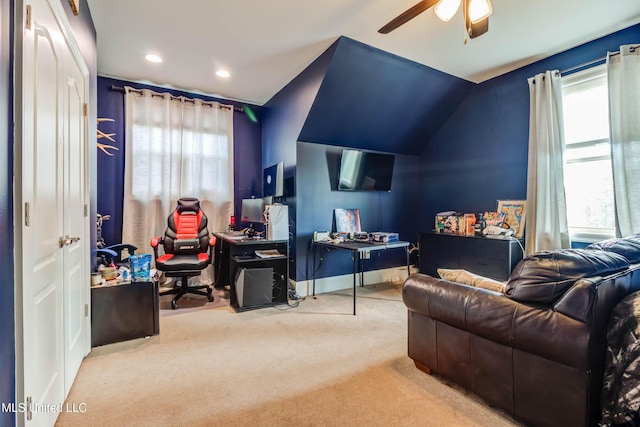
{"x":234,"y":252}
{"x":357,"y":250}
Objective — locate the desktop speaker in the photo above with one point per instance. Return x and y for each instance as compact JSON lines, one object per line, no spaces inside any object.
{"x":254,"y":286}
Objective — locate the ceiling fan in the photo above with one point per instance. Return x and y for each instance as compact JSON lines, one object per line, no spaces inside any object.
{"x":476,"y":14}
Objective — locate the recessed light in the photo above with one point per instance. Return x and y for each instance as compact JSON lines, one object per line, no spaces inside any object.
{"x":153,"y":58}
{"x":223,"y":73}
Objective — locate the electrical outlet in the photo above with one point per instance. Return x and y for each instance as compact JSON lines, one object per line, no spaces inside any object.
{"x":366,"y":255}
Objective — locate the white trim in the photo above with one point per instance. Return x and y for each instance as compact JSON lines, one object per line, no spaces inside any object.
{"x":590,"y":235}
{"x":338,"y":283}
{"x":70,"y":39}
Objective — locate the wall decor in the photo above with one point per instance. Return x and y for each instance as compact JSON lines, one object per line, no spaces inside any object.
{"x":105,"y":147}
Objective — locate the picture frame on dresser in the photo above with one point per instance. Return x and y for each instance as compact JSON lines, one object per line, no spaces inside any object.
{"x":515,"y":212}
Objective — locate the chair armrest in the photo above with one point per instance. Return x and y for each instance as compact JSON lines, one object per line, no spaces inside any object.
{"x":121,"y":246}
{"x":106,"y":251}
{"x":107,"y":255}
{"x":157,"y":240}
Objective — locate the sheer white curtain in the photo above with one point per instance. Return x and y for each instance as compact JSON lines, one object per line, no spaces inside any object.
{"x":175,"y":147}
{"x":623,"y":73}
{"x":546,"y":222}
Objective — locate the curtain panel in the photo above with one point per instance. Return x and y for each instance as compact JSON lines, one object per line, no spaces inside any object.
{"x":176,"y":147}
{"x":623,"y":75}
{"x":546,"y":222}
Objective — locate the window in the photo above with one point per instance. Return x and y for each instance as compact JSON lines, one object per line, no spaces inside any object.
{"x":587,"y":172}
{"x":175,"y":148}
{"x":189,"y":157}
{"x":179,"y":148}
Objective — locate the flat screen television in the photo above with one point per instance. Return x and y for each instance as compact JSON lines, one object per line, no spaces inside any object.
{"x":273,"y":180}
{"x":365,"y":171}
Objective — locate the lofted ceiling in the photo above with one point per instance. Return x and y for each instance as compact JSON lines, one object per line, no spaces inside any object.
{"x":265,"y":44}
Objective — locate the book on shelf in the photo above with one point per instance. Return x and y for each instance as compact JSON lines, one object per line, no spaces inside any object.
{"x":268,"y":253}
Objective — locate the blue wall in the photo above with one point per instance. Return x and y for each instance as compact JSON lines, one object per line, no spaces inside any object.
{"x":357,"y":96}
{"x":284,"y":116}
{"x":479,"y":155}
{"x":317,"y":195}
{"x":7,"y":289}
{"x":372,"y":99}
{"x":110,"y":179}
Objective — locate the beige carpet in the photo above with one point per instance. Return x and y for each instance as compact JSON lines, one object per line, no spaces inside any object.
{"x":312,"y":365}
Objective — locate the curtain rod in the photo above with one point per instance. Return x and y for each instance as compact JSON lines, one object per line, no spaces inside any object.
{"x":595,"y":61}
{"x":121,"y":89}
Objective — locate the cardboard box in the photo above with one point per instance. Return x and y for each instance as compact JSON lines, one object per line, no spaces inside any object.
{"x":469,"y":224}
{"x":451,"y":224}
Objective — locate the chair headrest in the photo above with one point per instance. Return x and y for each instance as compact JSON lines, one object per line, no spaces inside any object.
{"x":188,"y":204}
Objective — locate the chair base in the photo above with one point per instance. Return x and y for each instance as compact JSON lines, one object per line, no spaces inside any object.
{"x":186,"y":289}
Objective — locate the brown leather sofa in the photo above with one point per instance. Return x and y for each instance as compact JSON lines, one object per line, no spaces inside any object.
{"x":535,"y":350}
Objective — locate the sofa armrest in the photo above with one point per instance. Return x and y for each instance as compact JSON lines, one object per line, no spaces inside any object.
{"x":483,"y":312}
{"x":496,"y":317}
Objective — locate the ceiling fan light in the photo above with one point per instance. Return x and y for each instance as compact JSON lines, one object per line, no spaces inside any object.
{"x":479,"y":10}
{"x":445,"y":9}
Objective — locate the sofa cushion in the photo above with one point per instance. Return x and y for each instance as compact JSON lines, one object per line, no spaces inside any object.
{"x":467,"y":278}
{"x":541,"y":278}
{"x":628,"y":247}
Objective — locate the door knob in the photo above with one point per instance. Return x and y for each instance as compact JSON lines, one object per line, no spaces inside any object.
{"x":66,"y":240}
{"x":63,"y":241}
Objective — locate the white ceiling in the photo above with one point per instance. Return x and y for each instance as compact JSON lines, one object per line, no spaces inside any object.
{"x":266,"y":43}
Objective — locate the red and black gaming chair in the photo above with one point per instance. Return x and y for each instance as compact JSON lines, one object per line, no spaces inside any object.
{"x":187,"y":248}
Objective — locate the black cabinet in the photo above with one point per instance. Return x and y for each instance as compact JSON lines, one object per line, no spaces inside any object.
{"x":124,"y":312}
{"x":486,"y":256}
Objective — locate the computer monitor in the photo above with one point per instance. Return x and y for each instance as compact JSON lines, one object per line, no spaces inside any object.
{"x":252,"y":210}
{"x":273,"y":180}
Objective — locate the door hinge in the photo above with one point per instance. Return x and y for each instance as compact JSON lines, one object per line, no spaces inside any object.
{"x":28,"y":17}
{"x":86,"y":210}
{"x":27,"y":219}
{"x":86,"y":310}
{"x":85,"y":109}
{"x":29,"y":412}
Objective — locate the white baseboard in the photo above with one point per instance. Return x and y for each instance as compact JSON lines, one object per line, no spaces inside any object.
{"x":337,"y":283}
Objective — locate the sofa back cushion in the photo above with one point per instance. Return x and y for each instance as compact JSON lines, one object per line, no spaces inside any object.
{"x":628,"y":247}
{"x":543,"y":277}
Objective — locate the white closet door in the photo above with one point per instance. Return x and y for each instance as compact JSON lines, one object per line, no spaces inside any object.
{"x":54,"y":228}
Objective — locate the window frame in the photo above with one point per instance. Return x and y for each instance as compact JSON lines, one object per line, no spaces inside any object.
{"x":587,"y":234}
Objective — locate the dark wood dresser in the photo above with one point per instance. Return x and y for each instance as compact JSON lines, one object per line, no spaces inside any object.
{"x":486,"y":256}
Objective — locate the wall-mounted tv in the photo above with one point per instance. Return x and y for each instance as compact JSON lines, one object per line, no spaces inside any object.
{"x":273,"y":180}
{"x":365,"y":171}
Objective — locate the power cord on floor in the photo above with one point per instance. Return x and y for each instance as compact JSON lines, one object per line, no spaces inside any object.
{"x":293,"y":298}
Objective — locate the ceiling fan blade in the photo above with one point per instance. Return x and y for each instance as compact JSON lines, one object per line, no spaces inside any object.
{"x":407,"y":15}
